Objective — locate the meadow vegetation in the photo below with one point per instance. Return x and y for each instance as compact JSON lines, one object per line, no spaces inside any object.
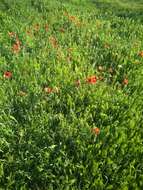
{"x":71,"y":95}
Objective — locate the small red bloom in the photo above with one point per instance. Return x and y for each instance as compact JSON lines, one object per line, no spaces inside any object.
{"x":91,"y":80}
{"x":96,"y":130}
{"x":125,"y":81}
{"x":141,"y":53}
{"x":72,"y":18}
{"x":18,"y":42}
{"x":16,"y":48}
{"x":7,"y":74}
{"x":48,"y":90}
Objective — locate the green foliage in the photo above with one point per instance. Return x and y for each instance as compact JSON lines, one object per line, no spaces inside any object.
{"x":71,"y":113}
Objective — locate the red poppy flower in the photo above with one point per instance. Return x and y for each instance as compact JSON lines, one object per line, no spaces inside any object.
{"x":16,"y":48}
{"x":48,"y":90}
{"x":125,"y":81}
{"x":91,"y":80}
{"x":96,"y":130}
{"x":72,"y":18}
{"x":18,"y":42}
{"x":141,"y":53}
{"x":7,"y":74}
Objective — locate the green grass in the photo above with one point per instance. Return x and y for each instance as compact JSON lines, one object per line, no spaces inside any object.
{"x":47,"y":118}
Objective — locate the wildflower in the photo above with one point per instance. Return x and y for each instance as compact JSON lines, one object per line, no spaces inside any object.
{"x":18,"y":41}
{"x":91,"y":80}
{"x":141,"y":53}
{"x":7,"y":75}
{"x":48,"y":90}
{"x":16,"y":48}
{"x":96,"y":130}
{"x":72,"y":18}
{"x":125,"y":81}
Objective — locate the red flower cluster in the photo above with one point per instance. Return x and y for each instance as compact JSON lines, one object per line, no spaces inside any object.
{"x":91,"y":80}
{"x":141,"y":53}
{"x":16,"y":47}
{"x":125,"y":81}
{"x":96,"y":130}
{"x":7,"y":75}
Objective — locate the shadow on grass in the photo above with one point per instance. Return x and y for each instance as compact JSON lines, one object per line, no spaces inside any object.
{"x":125,"y":9}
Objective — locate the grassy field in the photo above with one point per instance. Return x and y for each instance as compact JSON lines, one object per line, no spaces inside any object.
{"x":71,"y":95}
